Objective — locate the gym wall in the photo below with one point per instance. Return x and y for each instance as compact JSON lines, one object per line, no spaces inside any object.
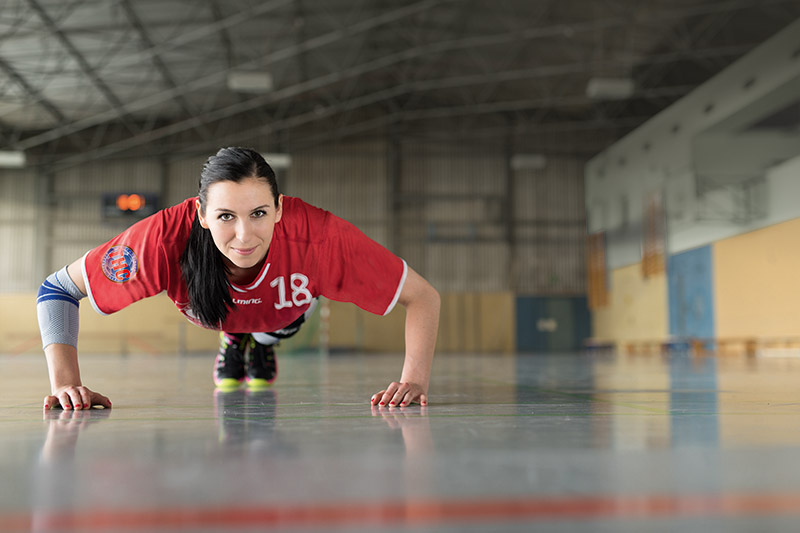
{"x":726,"y":160}
{"x":754,"y":291}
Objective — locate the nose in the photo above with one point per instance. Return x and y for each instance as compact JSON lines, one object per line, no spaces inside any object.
{"x":243,"y":231}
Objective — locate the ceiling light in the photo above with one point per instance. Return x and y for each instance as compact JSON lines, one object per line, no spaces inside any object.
{"x":12,"y":159}
{"x":250,"y":82}
{"x":610,"y":88}
{"x":528,"y":162}
{"x":278,"y":160}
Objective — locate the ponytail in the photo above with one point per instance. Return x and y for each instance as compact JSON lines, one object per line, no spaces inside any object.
{"x":206,"y":278}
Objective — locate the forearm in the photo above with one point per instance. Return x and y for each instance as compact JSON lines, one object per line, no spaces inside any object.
{"x":422,"y":305}
{"x":422,"y":326}
{"x":62,"y":366}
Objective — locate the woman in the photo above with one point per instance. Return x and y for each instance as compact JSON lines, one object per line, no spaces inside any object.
{"x":240,"y":257}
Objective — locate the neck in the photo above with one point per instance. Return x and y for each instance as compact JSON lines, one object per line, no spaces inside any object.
{"x":243,"y":276}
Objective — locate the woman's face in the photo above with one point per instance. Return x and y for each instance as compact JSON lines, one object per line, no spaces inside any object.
{"x":241,"y":217}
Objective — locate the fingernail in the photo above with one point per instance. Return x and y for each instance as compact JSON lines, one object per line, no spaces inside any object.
{"x":68,"y":407}
{"x":383,"y":403}
{"x":391,"y":403}
{"x":86,"y":406}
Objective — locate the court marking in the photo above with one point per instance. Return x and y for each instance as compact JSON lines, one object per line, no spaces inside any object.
{"x":414,"y":512}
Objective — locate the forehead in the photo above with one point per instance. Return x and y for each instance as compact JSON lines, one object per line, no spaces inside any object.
{"x":249,"y":192}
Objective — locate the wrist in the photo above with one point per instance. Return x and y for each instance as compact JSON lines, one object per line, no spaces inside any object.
{"x":423,"y":384}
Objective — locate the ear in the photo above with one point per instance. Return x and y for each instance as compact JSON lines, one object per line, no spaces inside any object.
{"x":200,"y":217}
{"x":279,"y":212}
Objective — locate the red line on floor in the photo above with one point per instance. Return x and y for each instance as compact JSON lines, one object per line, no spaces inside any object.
{"x":417,"y":512}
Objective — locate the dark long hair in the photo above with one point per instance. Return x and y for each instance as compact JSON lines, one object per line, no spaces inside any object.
{"x":204,"y":272}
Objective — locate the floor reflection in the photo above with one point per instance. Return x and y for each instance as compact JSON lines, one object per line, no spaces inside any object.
{"x":63,"y":429}
{"x":246,"y":418}
{"x":413,"y":425}
{"x":694,"y":401}
{"x":53,"y":480}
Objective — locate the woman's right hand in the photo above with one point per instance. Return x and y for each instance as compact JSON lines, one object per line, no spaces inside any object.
{"x":75,"y":397}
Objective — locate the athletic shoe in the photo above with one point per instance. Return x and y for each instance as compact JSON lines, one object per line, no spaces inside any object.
{"x":262,"y":365}
{"x":229,"y":365}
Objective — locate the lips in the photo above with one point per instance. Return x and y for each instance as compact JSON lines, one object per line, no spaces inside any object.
{"x":244,"y":251}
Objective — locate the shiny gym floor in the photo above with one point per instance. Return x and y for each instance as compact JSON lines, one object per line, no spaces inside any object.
{"x":586,"y":443}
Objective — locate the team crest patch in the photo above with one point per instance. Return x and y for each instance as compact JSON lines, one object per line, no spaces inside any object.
{"x":120,"y":264}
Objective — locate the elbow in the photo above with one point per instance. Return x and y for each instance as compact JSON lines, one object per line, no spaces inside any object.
{"x":436,"y":297}
{"x":418,"y":292}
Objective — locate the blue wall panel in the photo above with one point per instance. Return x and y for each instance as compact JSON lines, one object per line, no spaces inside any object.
{"x":691,"y":294}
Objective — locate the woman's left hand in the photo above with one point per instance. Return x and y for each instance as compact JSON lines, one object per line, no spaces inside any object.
{"x":401,"y":394}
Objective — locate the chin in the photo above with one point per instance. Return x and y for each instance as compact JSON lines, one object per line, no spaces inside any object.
{"x":243,"y":262}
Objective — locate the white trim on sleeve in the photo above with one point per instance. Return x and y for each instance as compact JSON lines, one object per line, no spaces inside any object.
{"x":399,"y":289}
{"x":89,"y":287}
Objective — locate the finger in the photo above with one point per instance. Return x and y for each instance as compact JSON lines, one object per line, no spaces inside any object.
{"x":401,"y":393}
{"x":85,"y":398}
{"x":389,"y":393}
{"x":75,"y":398}
{"x":377,"y":397}
{"x":50,"y":402}
{"x":65,"y":400}
{"x":391,"y":390}
{"x":409,"y":397}
{"x":99,"y":399}
{"x":415,"y":397}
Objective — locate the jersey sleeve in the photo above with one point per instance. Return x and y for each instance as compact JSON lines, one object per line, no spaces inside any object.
{"x":128,"y":268}
{"x":357,"y":269}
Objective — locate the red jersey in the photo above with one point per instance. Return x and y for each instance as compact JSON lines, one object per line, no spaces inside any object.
{"x":312,"y":253}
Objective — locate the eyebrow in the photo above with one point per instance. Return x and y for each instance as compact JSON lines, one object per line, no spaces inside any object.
{"x":225,"y":210}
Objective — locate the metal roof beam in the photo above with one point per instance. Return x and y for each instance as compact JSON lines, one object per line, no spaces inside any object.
{"x":391,"y":93}
{"x":224,"y":36}
{"x":84,"y":65}
{"x":487,"y":40}
{"x":315,"y":115}
{"x":32,"y":91}
{"x":395,"y":58}
{"x":203,"y":83}
{"x":162,"y":69}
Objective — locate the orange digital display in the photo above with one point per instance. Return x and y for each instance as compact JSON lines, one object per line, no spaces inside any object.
{"x":130,"y":202}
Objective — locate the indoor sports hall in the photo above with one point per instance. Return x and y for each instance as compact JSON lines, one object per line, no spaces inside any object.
{"x":605,"y":196}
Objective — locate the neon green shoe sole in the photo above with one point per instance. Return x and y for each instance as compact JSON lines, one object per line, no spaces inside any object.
{"x":257,"y":383}
{"x":228,"y":383}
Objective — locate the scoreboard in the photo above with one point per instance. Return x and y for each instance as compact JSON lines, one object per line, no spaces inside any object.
{"x":129,"y":205}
